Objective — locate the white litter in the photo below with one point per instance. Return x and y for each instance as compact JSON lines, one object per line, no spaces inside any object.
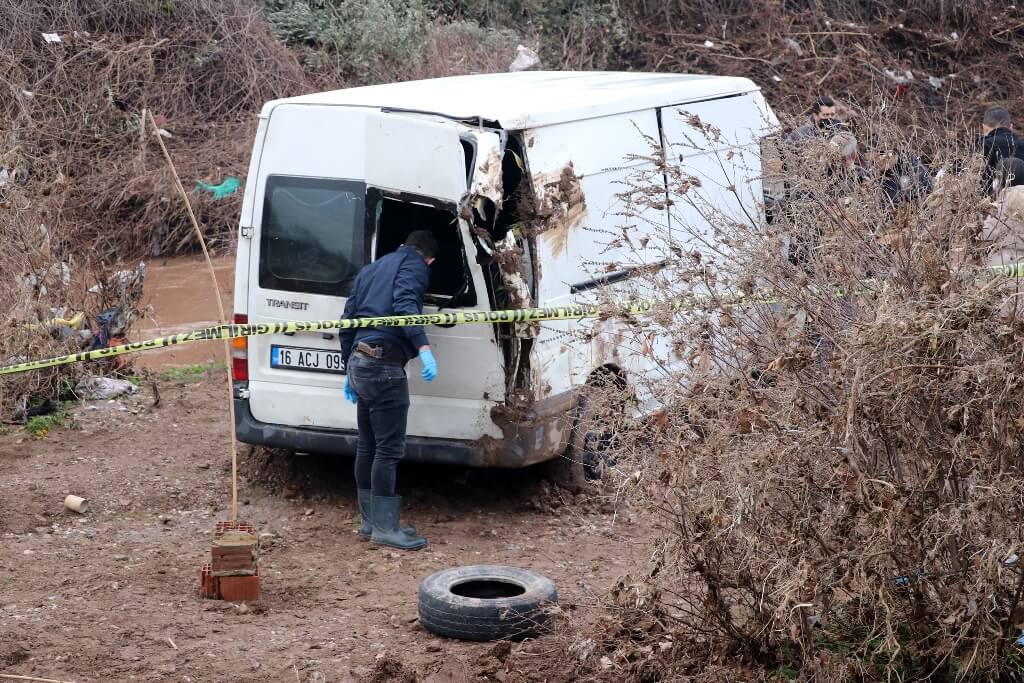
{"x":935,"y":82}
{"x":4,"y":175}
{"x":708,"y":43}
{"x":103,"y":388}
{"x":51,"y":37}
{"x":954,"y":35}
{"x":28,"y":93}
{"x":525,"y":59}
{"x":776,"y":79}
{"x":164,"y":133}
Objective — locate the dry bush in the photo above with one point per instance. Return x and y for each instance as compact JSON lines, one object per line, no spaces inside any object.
{"x":837,"y":466}
{"x":852,"y":49}
{"x":73,"y":122}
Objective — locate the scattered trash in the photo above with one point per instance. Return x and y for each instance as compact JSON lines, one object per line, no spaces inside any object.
{"x":525,"y":59}
{"x":4,"y":175}
{"x":28,"y":93}
{"x":901,"y":78}
{"x":76,"y":504}
{"x":935,"y":82}
{"x":51,"y":37}
{"x":165,"y":133}
{"x":794,"y":47}
{"x":954,"y":35}
{"x":776,"y":79}
{"x":1011,"y":559}
{"x":708,"y":44}
{"x":225,"y":189}
{"x":1020,"y":641}
{"x":102,"y":388}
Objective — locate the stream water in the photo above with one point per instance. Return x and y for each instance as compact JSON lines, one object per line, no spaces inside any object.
{"x":180,"y":297}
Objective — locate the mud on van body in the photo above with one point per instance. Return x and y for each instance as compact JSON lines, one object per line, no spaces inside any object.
{"x":514,"y":174}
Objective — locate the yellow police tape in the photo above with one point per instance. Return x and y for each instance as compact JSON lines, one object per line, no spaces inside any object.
{"x":256,"y":329}
{"x":526,"y":315}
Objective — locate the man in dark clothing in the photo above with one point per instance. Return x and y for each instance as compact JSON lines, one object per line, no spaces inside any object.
{"x":903,"y":179}
{"x":998,"y":142}
{"x":821,"y":121}
{"x":377,"y":384}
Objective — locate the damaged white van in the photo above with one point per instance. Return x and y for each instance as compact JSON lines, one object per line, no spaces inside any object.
{"x":338,"y":179}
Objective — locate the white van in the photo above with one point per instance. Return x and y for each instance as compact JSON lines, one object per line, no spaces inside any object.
{"x":514,"y":173}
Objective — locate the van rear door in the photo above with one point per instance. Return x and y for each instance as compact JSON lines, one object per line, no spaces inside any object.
{"x":330,"y":180}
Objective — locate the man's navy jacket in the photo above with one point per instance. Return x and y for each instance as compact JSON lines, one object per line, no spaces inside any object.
{"x":392,"y":285}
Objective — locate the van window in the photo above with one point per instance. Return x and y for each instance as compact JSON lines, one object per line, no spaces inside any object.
{"x":313,"y":237}
{"x":397,"y":215}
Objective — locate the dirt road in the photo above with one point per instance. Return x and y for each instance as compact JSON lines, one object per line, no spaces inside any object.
{"x":113,"y":595}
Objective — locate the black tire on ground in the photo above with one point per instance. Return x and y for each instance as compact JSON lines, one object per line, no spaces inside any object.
{"x":486,"y":602}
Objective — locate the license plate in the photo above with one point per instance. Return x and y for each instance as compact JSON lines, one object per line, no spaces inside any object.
{"x":309,"y":360}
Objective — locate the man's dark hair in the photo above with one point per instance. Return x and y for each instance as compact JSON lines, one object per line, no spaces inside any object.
{"x":996,"y":117}
{"x":424,"y":242}
{"x":819,"y":102}
{"x":1010,"y":172}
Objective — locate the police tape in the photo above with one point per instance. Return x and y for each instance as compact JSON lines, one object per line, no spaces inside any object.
{"x":525,"y":315}
{"x":233,"y":331}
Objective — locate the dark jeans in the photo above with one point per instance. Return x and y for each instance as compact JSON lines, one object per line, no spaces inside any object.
{"x":381,"y":413}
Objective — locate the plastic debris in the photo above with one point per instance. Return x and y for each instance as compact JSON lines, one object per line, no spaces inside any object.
{"x":28,"y":93}
{"x":776,"y":79}
{"x":525,"y":59}
{"x":1020,"y":641}
{"x":708,"y":44}
{"x":935,"y":82}
{"x":51,"y":37}
{"x":225,"y":189}
{"x":164,"y":133}
{"x":103,"y":388}
{"x":900,"y":77}
{"x":954,"y":35}
{"x":4,"y":175}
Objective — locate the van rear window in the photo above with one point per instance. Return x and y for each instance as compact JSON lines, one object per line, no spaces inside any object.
{"x":313,"y":236}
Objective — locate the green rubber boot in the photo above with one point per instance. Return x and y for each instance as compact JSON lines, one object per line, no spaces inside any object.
{"x":385,"y":514}
{"x":366,"y":510}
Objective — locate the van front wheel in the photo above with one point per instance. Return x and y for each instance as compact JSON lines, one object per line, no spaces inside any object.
{"x":590,"y":449}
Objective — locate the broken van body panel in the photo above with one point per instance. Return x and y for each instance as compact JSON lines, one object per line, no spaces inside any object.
{"x":520,"y":178}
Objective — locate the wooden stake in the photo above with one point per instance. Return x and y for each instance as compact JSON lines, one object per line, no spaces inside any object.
{"x":14,"y":677}
{"x":220,"y":308}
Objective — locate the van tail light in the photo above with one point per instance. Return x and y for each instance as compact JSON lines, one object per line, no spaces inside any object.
{"x":240,"y":352}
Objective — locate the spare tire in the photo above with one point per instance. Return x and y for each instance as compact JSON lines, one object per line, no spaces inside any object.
{"x":486,"y":602}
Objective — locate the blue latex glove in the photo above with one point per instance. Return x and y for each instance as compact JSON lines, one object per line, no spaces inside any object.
{"x":429,"y":365}
{"x":349,"y":394}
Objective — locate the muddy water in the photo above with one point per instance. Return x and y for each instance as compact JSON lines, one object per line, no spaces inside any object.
{"x":180,"y":297}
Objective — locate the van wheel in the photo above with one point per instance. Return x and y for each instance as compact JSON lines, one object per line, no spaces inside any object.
{"x":590,"y":449}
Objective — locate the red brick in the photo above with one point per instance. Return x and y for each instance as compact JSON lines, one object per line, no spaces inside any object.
{"x":240,"y":588}
{"x":209,"y":584}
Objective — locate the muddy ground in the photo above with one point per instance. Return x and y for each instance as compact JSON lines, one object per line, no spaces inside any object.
{"x":113,"y":595}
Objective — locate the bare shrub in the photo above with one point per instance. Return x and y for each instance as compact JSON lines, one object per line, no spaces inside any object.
{"x":836,"y":463}
{"x":73,"y":115}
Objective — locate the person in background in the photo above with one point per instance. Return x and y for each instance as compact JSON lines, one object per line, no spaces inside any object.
{"x":821,"y":120}
{"x":902,"y":178}
{"x":1004,"y":231}
{"x":375,"y":380}
{"x":998,"y":142}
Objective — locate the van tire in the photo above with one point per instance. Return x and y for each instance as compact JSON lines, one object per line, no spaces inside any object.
{"x":512,"y":617}
{"x":585,"y":455}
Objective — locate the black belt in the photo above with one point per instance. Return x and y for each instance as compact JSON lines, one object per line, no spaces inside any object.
{"x":383,"y":354}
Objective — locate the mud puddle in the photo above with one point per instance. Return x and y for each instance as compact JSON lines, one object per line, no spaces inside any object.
{"x":180,"y":297}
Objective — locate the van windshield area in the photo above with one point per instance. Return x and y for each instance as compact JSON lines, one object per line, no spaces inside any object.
{"x":397,"y":215}
{"x":314,"y":233}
